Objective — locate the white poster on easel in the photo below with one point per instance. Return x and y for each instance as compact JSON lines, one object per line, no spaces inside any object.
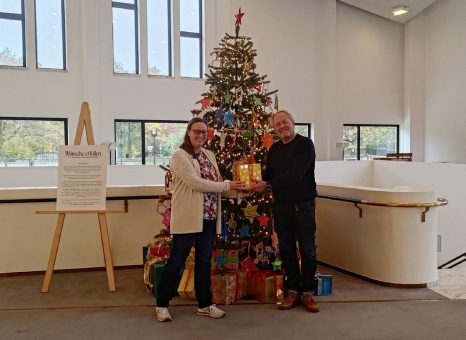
{"x":82,"y":177}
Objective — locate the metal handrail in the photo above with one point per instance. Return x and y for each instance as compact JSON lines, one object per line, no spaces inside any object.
{"x":453,"y":260}
{"x":426,"y":205}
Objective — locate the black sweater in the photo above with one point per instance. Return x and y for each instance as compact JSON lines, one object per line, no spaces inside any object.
{"x":290,"y":170}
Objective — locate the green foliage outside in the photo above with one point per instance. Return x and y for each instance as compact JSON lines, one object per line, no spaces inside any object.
{"x":9,"y":58}
{"x":26,"y":139}
{"x":376,"y":141}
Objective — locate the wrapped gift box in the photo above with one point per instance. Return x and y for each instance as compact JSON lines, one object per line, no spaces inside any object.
{"x":223,"y":289}
{"x":266,"y":286}
{"x":186,"y":286}
{"x":241,"y":284}
{"x":152,"y":274}
{"x":323,"y":284}
{"x":224,"y":260}
{"x":247,"y":173}
{"x":189,"y":263}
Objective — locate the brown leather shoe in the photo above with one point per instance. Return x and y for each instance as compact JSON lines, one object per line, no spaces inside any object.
{"x":290,"y":301}
{"x":310,"y":304}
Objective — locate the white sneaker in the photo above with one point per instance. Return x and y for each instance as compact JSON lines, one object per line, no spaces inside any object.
{"x":163,"y":314}
{"x":213,"y":311}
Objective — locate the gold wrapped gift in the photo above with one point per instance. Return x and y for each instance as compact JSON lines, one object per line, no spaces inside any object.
{"x":186,"y":287}
{"x":247,"y":173}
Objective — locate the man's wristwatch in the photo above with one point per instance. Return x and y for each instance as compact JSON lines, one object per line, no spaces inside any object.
{"x":268,"y":187}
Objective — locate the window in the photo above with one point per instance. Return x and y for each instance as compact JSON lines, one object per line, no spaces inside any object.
{"x":363,"y":142}
{"x":50,"y":34}
{"x":125,"y":37}
{"x":304,"y":129}
{"x":159,"y":37}
{"x":12,"y":39}
{"x":158,"y":139}
{"x":191,"y":56}
{"x":31,"y":141}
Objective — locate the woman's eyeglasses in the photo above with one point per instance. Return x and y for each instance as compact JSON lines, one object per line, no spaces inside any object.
{"x":199,"y":132}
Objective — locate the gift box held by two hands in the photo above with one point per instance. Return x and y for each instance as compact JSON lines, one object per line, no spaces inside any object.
{"x":247,"y":173}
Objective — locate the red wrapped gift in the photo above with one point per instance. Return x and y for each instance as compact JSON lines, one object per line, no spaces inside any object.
{"x":223,"y":289}
{"x":248,"y":266}
{"x":267,"y":286}
{"x":241,"y":284}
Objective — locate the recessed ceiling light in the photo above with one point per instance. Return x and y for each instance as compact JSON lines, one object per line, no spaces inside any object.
{"x":399,"y":10}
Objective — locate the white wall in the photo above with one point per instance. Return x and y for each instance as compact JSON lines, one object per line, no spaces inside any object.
{"x":370,"y":68}
{"x":314,"y":52}
{"x":447,"y":180}
{"x":444,"y":50}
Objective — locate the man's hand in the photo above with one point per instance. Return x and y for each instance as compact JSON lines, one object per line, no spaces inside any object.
{"x":258,"y":186}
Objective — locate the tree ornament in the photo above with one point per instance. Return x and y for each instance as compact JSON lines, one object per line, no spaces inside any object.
{"x":231,"y":222}
{"x":166,"y":218}
{"x":219,"y":116}
{"x":244,"y":230}
{"x":225,"y":233}
{"x":227,"y":97}
{"x":238,"y":17}
{"x":248,"y":134}
{"x":250,"y":212}
{"x":210,"y":134}
{"x":267,"y":140}
{"x":222,"y":139}
{"x":274,"y":238}
{"x":263,"y":220}
{"x":257,"y":100}
{"x":205,"y":103}
{"x":276,"y":265}
{"x":258,"y":87}
{"x":228,"y":118}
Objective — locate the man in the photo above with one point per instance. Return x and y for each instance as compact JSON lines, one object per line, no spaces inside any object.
{"x":290,"y":175}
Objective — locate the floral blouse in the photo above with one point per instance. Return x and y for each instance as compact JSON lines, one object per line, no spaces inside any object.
{"x":210,"y":198}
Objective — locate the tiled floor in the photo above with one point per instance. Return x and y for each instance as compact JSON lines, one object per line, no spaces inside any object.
{"x":451,"y":283}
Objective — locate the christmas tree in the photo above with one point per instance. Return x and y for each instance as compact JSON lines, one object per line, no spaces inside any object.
{"x":237,"y":107}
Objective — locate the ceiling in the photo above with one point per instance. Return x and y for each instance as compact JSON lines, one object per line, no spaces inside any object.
{"x":383,"y":7}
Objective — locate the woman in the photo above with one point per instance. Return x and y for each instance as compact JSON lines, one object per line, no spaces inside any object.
{"x":195,"y":218}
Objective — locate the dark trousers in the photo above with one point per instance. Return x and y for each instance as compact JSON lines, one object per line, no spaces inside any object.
{"x":182,"y":243}
{"x":296,"y":222}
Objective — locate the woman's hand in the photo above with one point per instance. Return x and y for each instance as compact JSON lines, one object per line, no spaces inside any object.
{"x":236,"y":185}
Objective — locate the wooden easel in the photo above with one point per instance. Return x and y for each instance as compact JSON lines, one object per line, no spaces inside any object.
{"x":83,"y":123}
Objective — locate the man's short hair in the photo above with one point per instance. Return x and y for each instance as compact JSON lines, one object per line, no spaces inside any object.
{"x":289,"y":115}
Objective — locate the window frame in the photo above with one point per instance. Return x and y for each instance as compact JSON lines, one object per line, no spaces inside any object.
{"x":63,"y":30}
{"x":135,"y":8}
{"x":308,"y":125}
{"x":142,"y":124}
{"x":53,"y":119}
{"x":21,"y":17}
{"x":358,"y":126}
{"x":199,"y":36}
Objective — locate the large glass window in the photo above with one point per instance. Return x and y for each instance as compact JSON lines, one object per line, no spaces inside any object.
{"x":125,"y":37}
{"x":159,"y":37}
{"x":158,"y":139}
{"x":363,"y":142}
{"x":50,"y":34}
{"x":31,"y":141}
{"x":12,"y":40}
{"x":191,"y":56}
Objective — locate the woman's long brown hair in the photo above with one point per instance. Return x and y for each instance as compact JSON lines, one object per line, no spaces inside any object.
{"x":186,"y":145}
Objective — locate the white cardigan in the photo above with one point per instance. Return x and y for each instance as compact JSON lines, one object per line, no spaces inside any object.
{"x":187,"y":201}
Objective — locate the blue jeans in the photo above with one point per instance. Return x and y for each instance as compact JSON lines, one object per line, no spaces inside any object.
{"x":296,"y":222}
{"x":182,"y":243}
